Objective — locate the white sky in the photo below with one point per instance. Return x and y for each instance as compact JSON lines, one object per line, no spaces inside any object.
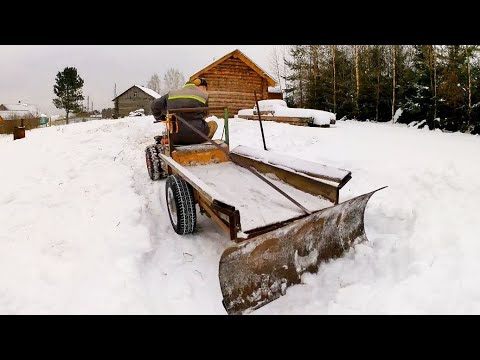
{"x":27,"y":72}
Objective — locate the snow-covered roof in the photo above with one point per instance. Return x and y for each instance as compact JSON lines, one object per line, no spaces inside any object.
{"x":274,"y":90}
{"x":150,"y":92}
{"x":22,"y":107}
{"x":15,"y":114}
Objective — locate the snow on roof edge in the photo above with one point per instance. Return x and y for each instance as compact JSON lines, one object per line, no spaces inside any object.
{"x":149,"y":91}
{"x":274,"y":89}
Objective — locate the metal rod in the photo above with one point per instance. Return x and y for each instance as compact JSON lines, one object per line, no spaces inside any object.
{"x":225,"y":126}
{"x":242,"y":165}
{"x":260,"y":120}
{"x":261,"y":177}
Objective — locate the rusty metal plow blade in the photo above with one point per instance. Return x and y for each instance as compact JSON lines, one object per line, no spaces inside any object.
{"x":258,"y":271}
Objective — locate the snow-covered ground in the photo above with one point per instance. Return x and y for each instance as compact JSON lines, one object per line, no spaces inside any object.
{"x":84,"y":230}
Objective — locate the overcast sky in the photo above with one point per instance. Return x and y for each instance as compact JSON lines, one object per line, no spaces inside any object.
{"x":27,"y":72}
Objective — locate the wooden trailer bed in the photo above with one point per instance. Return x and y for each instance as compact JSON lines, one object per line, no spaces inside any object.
{"x":259,"y":204}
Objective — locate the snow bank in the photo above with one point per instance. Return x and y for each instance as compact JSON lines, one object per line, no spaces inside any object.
{"x":279,"y":108}
{"x":246,"y":112}
{"x":270,"y":105}
{"x":320,"y":117}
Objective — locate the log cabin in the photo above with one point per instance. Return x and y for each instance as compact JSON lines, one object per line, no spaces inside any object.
{"x":232,"y":81}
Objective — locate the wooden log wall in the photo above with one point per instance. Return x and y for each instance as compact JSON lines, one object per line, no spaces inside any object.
{"x":128,"y":102}
{"x":233,"y":83}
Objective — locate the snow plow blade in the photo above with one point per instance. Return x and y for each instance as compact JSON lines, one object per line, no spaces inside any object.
{"x":258,"y":271}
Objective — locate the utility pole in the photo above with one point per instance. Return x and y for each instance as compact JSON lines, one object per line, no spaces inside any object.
{"x":115,"y":107}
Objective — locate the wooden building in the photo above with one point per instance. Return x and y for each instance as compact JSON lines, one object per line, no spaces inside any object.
{"x":134,"y":98}
{"x":11,"y":115}
{"x":275,"y":93}
{"x":232,"y":81}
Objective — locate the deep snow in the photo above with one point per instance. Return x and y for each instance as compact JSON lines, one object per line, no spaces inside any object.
{"x":84,"y":230}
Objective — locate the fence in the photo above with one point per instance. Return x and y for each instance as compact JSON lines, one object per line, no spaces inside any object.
{"x":7,"y":126}
{"x":71,"y":120}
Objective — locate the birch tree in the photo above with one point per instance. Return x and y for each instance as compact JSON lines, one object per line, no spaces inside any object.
{"x":154,"y":83}
{"x":173,"y":79}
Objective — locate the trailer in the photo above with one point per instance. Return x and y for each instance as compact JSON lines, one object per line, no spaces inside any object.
{"x":282,"y":213}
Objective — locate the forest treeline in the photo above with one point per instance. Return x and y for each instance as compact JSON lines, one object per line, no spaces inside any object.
{"x":434,"y":85}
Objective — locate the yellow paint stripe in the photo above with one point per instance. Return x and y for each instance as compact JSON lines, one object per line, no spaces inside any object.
{"x":198,"y":98}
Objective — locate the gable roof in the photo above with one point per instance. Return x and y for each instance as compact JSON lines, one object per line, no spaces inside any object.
{"x":15,"y":114}
{"x":149,"y":91}
{"x":146,"y":90}
{"x":21,"y":107}
{"x":238,"y":54}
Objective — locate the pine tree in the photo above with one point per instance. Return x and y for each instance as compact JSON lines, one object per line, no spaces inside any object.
{"x":68,"y":89}
{"x":475,"y":92}
{"x":452,"y":90}
{"x":297,"y":79}
{"x":438,"y":84}
{"x":419,"y":96}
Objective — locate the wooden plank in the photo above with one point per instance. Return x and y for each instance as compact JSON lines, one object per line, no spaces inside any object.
{"x":208,"y":194}
{"x":324,"y":172}
{"x":230,"y":92}
{"x":238,"y":89}
{"x":303,"y":121}
{"x":232,"y":100}
{"x":194,"y":156}
{"x":213,"y":215}
{"x":230,"y":83}
{"x":233,"y":75}
{"x":295,"y":179}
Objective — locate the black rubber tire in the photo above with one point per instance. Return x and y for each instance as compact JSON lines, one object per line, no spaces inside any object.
{"x":153,"y":162}
{"x":180,"y":205}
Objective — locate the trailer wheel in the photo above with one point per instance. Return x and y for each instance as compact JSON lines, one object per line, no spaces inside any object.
{"x":181,"y":205}
{"x":154,"y":163}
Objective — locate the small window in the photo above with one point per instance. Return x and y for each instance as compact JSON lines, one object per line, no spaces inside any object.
{"x":134,"y":94}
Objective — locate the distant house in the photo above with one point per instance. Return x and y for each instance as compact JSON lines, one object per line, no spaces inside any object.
{"x":232,"y":81}
{"x":12,"y":115}
{"x":18,"y":111}
{"x":134,"y":98}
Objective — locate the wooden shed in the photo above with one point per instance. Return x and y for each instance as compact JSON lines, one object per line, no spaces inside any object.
{"x":232,"y":81}
{"x":134,"y":98}
{"x":275,"y":93}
